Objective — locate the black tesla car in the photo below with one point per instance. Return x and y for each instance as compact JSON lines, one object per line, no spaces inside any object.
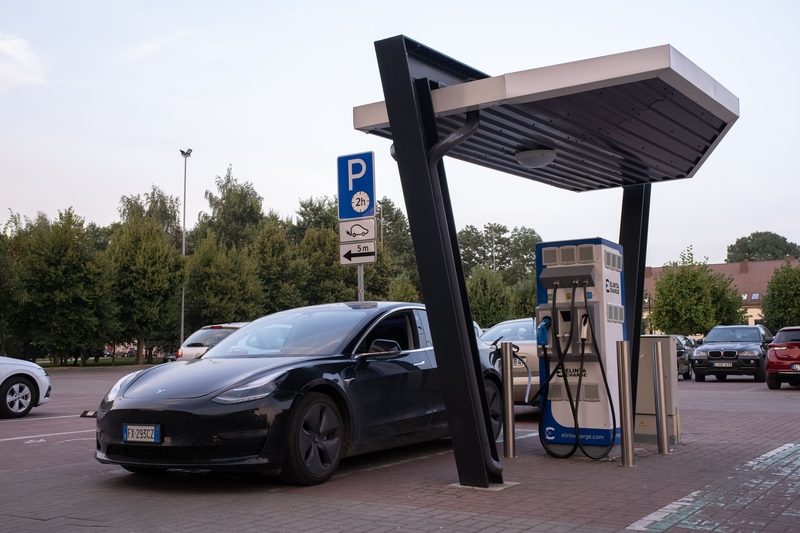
{"x":289,"y":394}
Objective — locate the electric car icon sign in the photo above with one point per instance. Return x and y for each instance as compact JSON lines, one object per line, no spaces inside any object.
{"x":360,"y":229}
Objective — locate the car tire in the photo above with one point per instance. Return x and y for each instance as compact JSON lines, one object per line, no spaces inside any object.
{"x":495,"y":402}
{"x":721,"y":377}
{"x":17,"y":395}
{"x":313,"y":441}
{"x":688,"y":374}
{"x":773,"y":383}
{"x":699,"y":377}
{"x":761,"y":373}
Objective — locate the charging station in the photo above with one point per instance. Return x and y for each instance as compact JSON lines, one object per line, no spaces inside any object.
{"x":581,"y":316}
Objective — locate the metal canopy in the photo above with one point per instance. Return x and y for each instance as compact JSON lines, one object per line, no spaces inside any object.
{"x":633,"y":118}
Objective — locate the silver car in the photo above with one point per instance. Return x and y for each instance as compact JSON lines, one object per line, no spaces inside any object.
{"x":522,"y":333}
{"x":206,"y":338}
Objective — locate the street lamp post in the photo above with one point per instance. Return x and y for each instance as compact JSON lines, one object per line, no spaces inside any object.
{"x":186,"y":156}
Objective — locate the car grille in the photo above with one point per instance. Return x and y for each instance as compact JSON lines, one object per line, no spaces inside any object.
{"x":722,"y":354}
{"x":183,"y":454}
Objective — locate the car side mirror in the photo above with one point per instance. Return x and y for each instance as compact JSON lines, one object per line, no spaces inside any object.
{"x":384,"y":346}
{"x":699,"y":342}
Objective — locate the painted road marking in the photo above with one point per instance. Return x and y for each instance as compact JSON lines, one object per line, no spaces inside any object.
{"x":47,"y":435}
{"x":756,"y":476}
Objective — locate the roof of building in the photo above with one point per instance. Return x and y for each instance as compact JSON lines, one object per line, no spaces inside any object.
{"x":749,"y":277}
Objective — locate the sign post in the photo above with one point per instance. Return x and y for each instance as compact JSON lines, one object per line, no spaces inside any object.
{"x":356,"y":180}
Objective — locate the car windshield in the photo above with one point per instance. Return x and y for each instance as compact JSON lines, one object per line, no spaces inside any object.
{"x":790,"y":335}
{"x":510,"y":331}
{"x":205,"y":338}
{"x":288,"y":333}
{"x":743,"y":334}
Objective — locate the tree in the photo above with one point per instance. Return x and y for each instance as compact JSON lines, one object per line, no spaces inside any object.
{"x":326,"y":280}
{"x":522,"y":256}
{"x":401,"y":289}
{"x":156,"y":204}
{"x":149,"y":276}
{"x":525,"y":298}
{"x":489,"y":298}
{"x":222,"y":285}
{"x":514,"y":256}
{"x":782,"y":300}
{"x":63,"y":285}
{"x":12,"y":292}
{"x":395,"y":238}
{"x":761,"y":246}
{"x":282,"y":274}
{"x":690,"y":299}
{"x":236,"y":211}
{"x":321,"y":213}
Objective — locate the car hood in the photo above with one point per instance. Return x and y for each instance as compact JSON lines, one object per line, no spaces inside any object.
{"x":18,"y":363}
{"x":728,"y":346}
{"x":200,"y":377}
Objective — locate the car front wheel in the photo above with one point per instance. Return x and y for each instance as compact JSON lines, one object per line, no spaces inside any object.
{"x":699,"y":377}
{"x":495,"y":401}
{"x":688,"y":374}
{"x":17,"y":396}
{"x":773,"y":383}
{"x":313,"y":441}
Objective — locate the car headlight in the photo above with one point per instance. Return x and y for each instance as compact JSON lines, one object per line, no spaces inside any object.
{"x":700,"y":353}
{"x":750,"y":353}
{"x":118,"y":386}
{"x":254,"y":390}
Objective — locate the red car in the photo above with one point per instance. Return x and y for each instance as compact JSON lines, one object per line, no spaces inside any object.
{"x":783,"y":358}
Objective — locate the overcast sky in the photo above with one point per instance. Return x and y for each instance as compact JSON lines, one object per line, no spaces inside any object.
{"x":96,"y":99}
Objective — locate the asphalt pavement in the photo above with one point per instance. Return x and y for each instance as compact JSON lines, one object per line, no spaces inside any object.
{"x":737,"y":469}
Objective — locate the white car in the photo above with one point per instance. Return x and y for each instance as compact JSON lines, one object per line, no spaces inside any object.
{"x":23,"y":385}
{"x":206,"y":338}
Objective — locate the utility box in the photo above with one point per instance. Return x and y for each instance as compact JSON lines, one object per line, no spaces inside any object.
{"x":645,"y":419}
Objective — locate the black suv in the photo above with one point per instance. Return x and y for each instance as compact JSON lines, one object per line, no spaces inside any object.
{"x":732,"y":350}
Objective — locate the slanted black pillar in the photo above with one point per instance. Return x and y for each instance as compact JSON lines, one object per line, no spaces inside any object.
{"x":633,"y":238}
{"x":430,"y":219}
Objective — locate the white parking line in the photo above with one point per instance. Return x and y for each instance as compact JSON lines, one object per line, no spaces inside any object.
{"x":47,"y":435}
{"x":34,"y":419}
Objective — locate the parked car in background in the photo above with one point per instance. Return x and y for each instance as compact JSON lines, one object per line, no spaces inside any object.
{"x":290,"y":394}
{"x":684,"y":347}
{"x":206,"y":338}
{"x":783,"y":358}
{"x":522,"y":333}
{"x":23,"y":386}
{"x":732,"y":350}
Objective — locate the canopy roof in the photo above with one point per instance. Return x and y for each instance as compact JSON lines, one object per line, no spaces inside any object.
{"x":637,"y":117}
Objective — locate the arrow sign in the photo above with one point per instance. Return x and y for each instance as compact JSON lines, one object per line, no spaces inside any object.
{"x":357,"y":253}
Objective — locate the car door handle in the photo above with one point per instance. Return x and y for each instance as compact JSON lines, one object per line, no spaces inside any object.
{"x":420,"y":363}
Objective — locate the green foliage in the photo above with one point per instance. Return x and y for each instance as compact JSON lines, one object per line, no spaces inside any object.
{"x":395,"y":238}
{"x":378,"y":276}
{"x":525,"y":296}
{"x":156,"y":204}
{"x":63,"y":280}
{"x":320,"y":214}
{"x":761,"y":246}
{"x":282,"y":274}
{"x":12,"y":291}
{"x":690,"y":299}
{"x":326,"y":280}
{"x":401,"y":289}
{"x":235,"y":211}
{"x":222,"y":285}
{"x":149,"y":276}
{"x":782,"y":300}
{"x":514,"y":256}
{"x":489,"y":298}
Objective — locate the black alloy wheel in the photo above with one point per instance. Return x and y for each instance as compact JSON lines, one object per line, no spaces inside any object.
{"x":495,"y":402}
{"x":313,"y":441}
{"x":17,"y":396}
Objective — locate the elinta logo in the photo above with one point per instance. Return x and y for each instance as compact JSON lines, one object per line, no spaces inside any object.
{"x":612,"y":286}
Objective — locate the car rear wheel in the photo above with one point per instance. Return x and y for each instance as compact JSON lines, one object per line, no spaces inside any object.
{"x":17,"y":395}
{"x":773,"y":383}
{"x":313,"y":441}
{"x":688,"y":374}
{"x":495,"y":401}
{"x":699,"y":377}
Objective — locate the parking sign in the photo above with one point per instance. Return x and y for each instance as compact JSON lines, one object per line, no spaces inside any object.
{"x":356,"y":175}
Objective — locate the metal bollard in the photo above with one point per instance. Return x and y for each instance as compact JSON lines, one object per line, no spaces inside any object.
{"x":626,"y":406}
{"x":661,"y":401}
{"x":507,"y":354}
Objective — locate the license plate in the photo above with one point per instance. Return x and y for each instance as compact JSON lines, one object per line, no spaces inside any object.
{"x":723,"y":365}
{"x":135,"y":433}
{"x":795,"y":367}
{"x":516,"y":362}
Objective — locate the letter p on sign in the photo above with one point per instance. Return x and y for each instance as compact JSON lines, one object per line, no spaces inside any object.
{"x":351,"y":163}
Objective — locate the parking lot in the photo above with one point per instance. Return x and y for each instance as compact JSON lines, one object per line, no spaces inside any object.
{"x":737,"y":469}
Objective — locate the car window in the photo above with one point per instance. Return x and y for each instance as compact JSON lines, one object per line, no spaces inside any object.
{"x":205,"y":338}
{"x":513,"y":331}
{"x":392,"y":328}
{"x":743,"y":334}
{"x":296,"y":332}
{"x":792,"y":335}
